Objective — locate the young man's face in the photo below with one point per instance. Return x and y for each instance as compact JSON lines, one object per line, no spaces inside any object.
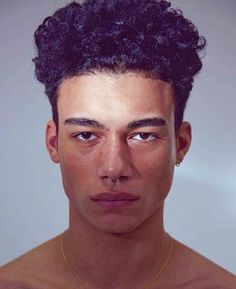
{"x":116,"y":128}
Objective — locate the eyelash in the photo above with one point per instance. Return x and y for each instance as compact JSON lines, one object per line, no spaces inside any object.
{"x":148,"y":134}
{"x":76,"y":136}
{"x":90,"y":134}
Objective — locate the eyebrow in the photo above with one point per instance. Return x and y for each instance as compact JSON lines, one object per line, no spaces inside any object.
{"x":83,"y":122}
{"x":154,"y":121}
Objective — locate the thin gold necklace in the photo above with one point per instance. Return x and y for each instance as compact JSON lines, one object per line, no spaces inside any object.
{"x":84,"y":287}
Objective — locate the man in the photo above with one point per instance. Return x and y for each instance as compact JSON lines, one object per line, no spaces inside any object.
{"x":118,"y":75}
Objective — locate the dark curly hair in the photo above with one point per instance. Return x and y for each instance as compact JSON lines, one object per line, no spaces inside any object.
{"x":118,"y":36}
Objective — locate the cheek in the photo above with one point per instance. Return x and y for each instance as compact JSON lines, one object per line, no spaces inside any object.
{"x":159,"y":171}
{"x":76,"y":170}
{"x":157,"y":167}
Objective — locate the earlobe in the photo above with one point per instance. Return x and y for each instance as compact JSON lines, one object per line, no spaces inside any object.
{"x":183,"y":141}
{"x":51,"y":141}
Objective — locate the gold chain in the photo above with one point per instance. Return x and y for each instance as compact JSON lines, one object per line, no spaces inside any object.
{"x":163,"y":266}
{"x":84,"y":287}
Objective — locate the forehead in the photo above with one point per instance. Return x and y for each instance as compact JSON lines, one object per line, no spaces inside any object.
{"x":114,"y":97}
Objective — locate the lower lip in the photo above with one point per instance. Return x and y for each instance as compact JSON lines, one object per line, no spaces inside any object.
{"x":114,"y":204}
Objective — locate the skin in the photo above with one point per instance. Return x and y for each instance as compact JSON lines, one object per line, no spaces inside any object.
{"x":115,"y":150}
{"x":122,"y":247}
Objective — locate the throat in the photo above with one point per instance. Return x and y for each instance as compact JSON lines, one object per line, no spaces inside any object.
{"x":117,"y":262}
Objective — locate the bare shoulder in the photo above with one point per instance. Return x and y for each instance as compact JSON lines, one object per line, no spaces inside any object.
{"x":33,"y":270}
{"x":198,"y":272}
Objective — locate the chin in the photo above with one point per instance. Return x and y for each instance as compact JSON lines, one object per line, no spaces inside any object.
{"x":115,"y":225}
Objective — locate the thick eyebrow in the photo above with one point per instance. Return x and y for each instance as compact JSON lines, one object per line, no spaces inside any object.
{"x":154,"y":121}
{"x":83,"y":122}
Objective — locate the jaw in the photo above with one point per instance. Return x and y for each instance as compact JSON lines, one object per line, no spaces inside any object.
{"x":116,"y":224}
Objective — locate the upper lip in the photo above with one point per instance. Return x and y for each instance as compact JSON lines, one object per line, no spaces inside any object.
{"x":115,"y":196}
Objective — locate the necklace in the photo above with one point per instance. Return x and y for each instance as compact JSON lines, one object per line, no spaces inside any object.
{"x":83,"y":286}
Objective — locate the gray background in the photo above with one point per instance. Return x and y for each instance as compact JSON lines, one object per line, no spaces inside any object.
{"x":201,"y":209}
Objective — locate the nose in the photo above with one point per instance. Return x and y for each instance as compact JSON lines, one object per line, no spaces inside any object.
{"x":115,"y":161}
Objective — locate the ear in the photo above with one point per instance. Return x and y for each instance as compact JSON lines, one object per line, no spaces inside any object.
{"x":183,"y":141}
{"x":52,"y":141}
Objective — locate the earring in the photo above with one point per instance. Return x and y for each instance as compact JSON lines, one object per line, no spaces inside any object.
{"x":177,"y":165}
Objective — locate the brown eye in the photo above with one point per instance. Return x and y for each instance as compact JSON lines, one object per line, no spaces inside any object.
{"x":85,"y":136}
{"x":144,"y":136}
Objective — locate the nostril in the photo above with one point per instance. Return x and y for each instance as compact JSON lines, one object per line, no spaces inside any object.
{"x":115,"y":180}
{"x":123,"y":178}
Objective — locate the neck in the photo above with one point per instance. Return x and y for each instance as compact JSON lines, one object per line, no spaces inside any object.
{"x":116,"y":260}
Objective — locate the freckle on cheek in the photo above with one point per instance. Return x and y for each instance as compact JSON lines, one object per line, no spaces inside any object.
{"x":145,"y":164}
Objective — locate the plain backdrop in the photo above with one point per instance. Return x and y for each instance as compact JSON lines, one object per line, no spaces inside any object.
{"x":201,"y":208}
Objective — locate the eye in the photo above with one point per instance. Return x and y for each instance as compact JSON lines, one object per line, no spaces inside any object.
{"x":85,"y":136}
{"x":144,"y":136}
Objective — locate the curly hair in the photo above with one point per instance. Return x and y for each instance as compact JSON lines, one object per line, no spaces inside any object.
{"x":119,"y":36}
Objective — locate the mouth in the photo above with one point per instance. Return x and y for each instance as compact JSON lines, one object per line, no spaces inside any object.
{"x":112,"y":200}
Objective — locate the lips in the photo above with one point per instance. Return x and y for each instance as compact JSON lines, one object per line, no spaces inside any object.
{"x":114,"y":199}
